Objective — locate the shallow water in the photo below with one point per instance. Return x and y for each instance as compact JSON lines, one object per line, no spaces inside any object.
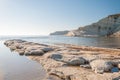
{"x":16,"y":67}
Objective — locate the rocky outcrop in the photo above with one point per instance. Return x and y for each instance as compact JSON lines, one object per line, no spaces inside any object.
{"x":74,"y":61}
{"x":71,"y":62}
{"x":100,"y":66}
{"x":59,"y":33}
{"x":56,"y":56}
{"x":109,"y":26}
{"x":27,"y":48}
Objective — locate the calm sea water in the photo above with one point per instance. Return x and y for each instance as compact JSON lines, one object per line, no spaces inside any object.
{"x":98,"y":41}
{"x":15,"y":67}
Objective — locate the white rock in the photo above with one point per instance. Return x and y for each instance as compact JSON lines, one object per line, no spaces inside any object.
{"x":101,"y":66}
{"x":34,"y":52}
{"x":104,"y":27}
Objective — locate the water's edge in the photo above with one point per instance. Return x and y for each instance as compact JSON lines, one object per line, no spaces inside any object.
{"x":16,"y":67}
{"x":60,"y":61}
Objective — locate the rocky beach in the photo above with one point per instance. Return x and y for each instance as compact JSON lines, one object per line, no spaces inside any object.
{"x":59,"y":39}
{"x":71,"y":62}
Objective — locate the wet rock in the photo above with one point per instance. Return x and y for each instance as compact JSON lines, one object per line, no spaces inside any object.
{"x":101,"y":66}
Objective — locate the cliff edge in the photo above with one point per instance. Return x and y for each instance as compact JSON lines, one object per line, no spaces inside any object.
{"x":109,"y":26}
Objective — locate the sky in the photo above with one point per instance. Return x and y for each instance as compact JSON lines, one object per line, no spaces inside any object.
{"x":41,"y":17}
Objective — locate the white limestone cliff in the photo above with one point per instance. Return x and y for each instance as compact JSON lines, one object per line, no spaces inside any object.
{"x":109,"y":26}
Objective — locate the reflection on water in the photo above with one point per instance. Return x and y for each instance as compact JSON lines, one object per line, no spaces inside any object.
{"x":15,"y":67}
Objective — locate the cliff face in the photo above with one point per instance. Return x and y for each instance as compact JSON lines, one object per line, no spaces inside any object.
{"x":59,"y":33}
{"x":109,"y":26}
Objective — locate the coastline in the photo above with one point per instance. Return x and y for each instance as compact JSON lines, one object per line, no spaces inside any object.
{"x":69,"y":62}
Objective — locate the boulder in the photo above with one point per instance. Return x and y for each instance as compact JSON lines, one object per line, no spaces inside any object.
{"x":101,"y":66}
{"x":34,"y":52}
{"x":47,"y":49}
{"x":75,"y":61}
{"x":14,"y":41}
{"x":56,"y":56}
{"x":12,"y":47}
{"x":8,"y":43}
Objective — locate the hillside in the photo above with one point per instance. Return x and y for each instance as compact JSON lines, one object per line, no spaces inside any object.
{"x":109,"y":26}
{"x":59,"y":33}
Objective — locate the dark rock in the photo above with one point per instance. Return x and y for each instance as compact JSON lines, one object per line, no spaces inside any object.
{"x":47,"y":49}
{"x":115,"y":69}
{"x":56,"y":56}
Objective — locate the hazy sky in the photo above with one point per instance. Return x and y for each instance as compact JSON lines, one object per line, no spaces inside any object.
{"x":40,"y":17}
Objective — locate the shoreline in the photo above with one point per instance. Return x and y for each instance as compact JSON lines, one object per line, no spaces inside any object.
{"x":71,"y":62}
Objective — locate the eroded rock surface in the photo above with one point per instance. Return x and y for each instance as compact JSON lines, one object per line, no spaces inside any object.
{"x":108,"y":26}
{"x":71,"y":62}
{"x":100,"y":66}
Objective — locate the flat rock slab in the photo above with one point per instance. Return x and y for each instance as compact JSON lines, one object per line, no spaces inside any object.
{"x":71,"y":62}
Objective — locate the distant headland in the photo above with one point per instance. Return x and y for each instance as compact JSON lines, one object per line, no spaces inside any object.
{"x":108,"y":26}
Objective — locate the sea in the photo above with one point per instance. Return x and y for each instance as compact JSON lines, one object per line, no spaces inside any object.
{"x":16,"y":67}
